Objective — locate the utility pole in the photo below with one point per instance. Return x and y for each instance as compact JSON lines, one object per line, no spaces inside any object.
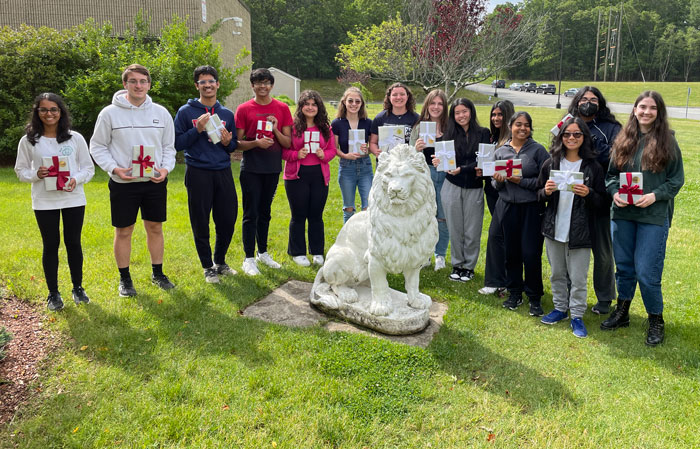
{"x":619,"y":43}
{"x":597,"y":43}
{"x":607,"y":46}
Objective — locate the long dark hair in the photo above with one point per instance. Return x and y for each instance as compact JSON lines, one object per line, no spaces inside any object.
{"x":321,"y":119}
{"x":657,"y":148}
{"x":455,"y":131}
{"x":410,"y":102}
{"x":500,"y":136}
{"x":558,"y":150}
{"x":517,"y":115}
{"x":603,"y":114}
{"x":425,"y":113}
{"x":35,"y":127}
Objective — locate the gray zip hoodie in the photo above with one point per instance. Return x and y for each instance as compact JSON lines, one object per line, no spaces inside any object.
{"x":532,"y":155}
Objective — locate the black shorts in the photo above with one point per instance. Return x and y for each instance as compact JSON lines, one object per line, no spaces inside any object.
{"x":127,"y":198}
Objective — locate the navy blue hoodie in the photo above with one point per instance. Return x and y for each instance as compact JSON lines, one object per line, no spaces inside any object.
{"x":199,"y":151}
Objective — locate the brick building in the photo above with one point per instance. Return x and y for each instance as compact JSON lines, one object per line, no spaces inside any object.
{"x":233,"y":35}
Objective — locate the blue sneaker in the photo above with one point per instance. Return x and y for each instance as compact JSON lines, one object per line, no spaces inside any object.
{"x":554,"y":317}
{"x":578,"y":328}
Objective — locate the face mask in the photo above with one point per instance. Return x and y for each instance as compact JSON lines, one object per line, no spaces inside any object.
{"x":588,"y":109}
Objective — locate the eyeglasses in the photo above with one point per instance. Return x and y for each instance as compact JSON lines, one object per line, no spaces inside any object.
{"x":142,"y":82}
{"x":262,"y":84}
{"x":48,"y":110}
{"x":205,"y":82}
{"x":353,"y":101}
{"x":575,"y":135}
{"x":584,"y":100}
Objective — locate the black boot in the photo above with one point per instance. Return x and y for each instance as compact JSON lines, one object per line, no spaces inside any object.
{"x":655,"y":332}
{"x":619,"y":318}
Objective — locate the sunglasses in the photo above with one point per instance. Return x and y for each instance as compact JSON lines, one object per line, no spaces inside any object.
{"x":576,"y":135}
{"x":353,"y":101}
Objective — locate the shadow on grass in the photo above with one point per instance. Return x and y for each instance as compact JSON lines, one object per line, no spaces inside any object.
{"x":460,"y":354}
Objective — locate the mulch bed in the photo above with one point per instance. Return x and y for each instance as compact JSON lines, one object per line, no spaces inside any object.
{"x":30,"y":344}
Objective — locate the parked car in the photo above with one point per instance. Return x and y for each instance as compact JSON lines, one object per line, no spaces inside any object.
{"x":515,"y":86}
{"x":546,"y":89}
{"x":571,"y":92}
{"x":529,"y":87}
{"x":498,"y":83}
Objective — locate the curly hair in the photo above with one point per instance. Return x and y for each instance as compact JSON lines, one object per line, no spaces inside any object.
{"x":410,"y":103}
{"x":425,"y":113}
{"x":657,"y":147}
{"x":321,"y":119}
{"x":342,"y":109}
{"x":586,"y":151}
{"x":35,"y":127}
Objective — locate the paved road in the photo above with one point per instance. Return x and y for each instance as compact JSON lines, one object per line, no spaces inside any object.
{"x":549,"y":101}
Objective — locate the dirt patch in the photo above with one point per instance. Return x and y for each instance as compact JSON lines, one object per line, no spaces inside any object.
{"x":30,"y":344}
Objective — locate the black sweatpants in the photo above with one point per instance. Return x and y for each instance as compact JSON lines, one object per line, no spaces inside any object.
{"x":522,"y":232}
{"x":211,"y":192}
{"x":49,"y":227}
{"x":258,"y":191}
{"x":307,"y":198}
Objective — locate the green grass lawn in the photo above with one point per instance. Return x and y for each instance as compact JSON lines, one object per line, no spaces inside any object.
{"x":185,"y":369}
{"x":673,"y":93}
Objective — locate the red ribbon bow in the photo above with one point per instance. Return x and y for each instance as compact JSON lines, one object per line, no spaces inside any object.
{"x":630,"y":189}
{"x":143,"y":161}
{"x":61,"y":176}
{"x":510,"y":166}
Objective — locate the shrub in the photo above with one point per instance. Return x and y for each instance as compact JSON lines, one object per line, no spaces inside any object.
{"x":285,"y":99}
{"x":5,"y":337}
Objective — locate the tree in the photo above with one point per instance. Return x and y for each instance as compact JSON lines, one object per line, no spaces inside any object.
{"x":441,"y":43}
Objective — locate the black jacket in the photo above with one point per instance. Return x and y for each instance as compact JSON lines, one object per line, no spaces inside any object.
{"x":581,"y":233}
{"x":466,"y":146}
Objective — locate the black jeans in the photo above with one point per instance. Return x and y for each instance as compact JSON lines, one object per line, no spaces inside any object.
{"x":495,"y":265}
{"x":307,"y":199}
{"x":211,"y":192}
{"x":49,"y":227}
{"x":522,"y":232}
{"x":258,"y":191}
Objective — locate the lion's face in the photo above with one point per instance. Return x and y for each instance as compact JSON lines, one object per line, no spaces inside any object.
{"x":397,"y":183}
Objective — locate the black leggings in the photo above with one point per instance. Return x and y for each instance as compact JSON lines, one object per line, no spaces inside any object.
{"x":49,"y":226}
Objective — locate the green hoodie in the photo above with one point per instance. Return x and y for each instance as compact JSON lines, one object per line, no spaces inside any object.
{"x":664,"y":185}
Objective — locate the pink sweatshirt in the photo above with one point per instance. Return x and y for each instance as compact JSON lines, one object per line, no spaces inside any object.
{"x":291,"y":156}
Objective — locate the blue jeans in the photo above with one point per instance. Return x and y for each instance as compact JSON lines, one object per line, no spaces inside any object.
{"x":352,"y":174}
{"x":438,"y":178}
{"x":640,"y":249}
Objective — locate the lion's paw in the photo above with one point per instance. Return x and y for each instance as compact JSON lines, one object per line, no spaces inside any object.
{"x":379,"y":307}
{"x":419,"y":301}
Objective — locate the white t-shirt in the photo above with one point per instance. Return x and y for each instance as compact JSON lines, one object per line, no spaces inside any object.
{"x":566,"y":201}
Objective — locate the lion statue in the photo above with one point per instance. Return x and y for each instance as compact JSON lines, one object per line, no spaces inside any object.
{"x":396,"y":235}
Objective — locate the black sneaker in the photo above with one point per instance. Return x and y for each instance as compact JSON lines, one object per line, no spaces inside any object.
{"x":456,"y":274}
{"x":466,"y":275}
{"x":513,"y":302}
{"x":54,"y":301}
{"x":536,"y":308}
{"x":79,"y":296}
{"x":126,"y":288}
{"x":162,"y":281}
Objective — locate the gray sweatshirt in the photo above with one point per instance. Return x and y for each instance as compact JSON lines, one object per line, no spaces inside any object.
{"x":532,"y":155}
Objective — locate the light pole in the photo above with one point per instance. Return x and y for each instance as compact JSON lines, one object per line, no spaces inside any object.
{"x":561,"y":60}
{"x":495,"y":89}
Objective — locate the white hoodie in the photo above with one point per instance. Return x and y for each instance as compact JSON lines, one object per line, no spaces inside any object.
{"x":122,"y":125}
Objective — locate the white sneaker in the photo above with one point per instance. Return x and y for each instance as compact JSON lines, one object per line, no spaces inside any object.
{"x":487,"y":290}
{"x":301,"y":261}
{"x":267,"y":260}
{"x":439,"y":263}
{"x":317,"y":259}
{"x":250,"y":267}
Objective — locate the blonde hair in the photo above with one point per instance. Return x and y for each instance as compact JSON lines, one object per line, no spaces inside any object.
{"x":425,"y":114}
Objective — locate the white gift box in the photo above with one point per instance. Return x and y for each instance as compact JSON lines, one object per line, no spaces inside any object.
{"x":486,"y":153}
{"x":214,"y":127}
{"x":263,"y":129}
{"x":59,"y":168}
{"x":356,"y":137}
{"x":312,"y":140}
{"x":445,"y":152}
{"x":558,"y":126}
{"x":390,"y":136}
{"x":488,"y":169}
{"x":631,"y":186}
{"x":428,"y":132}
{"x":143,"y":161}
{"x":515,"y":166}
{"x":565,"y":180}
